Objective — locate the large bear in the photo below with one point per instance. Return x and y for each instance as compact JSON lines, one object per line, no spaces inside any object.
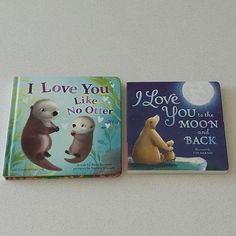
{"x":146,"y":148}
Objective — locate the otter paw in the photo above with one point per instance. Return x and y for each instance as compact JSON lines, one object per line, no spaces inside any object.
{"x":47,"y":154}
{"x":67,"y":152}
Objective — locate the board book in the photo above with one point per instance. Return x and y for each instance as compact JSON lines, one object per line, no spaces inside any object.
{"x":175,"y":127}
{"x":64,"y":127}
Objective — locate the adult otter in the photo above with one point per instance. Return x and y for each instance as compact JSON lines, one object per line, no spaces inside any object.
{"x":35,"y":139}
{"x":82,"y":132}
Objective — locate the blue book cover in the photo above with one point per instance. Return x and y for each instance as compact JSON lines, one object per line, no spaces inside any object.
{"x":175,"y":127}
{"x":64,"y":126}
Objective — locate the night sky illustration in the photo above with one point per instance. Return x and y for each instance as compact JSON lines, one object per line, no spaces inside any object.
{"x":136,"y":116}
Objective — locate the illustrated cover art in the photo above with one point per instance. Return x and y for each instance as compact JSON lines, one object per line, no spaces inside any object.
{"x":175,"y":127}
{"x":64,"y":126}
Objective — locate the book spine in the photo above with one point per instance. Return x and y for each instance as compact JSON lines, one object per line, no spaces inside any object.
{"x":11,"y":126}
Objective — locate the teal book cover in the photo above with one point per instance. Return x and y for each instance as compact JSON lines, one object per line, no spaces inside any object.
{"x":64,"y":127}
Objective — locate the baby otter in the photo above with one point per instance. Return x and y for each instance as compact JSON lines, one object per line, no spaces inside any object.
{"x":82,"y":132}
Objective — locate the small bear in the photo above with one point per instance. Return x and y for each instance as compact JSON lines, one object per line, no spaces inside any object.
{"x":170,"y":155}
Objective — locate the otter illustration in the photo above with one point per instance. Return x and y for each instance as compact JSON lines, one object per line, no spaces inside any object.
{"x":82,"y":132}
{"x":35,"y":139}
{"x":146,"y":147}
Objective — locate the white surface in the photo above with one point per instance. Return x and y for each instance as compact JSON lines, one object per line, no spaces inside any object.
{"x":136,"y":40}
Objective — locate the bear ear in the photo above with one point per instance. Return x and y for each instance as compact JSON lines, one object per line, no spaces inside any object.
{"x":31,"y":107}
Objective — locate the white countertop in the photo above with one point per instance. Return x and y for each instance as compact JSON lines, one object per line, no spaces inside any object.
{"x":137,"y":41}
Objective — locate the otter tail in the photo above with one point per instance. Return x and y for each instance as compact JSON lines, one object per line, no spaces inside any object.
{"x":74,"y":160}
{"x":44,"y":163}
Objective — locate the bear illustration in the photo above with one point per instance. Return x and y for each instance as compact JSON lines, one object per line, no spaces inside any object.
{"x":146,"y":148}
{"x":170,"y":155}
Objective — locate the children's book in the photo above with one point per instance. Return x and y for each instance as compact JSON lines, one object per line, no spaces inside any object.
{"x":175,"y":127}
{"x":64,"y":126}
